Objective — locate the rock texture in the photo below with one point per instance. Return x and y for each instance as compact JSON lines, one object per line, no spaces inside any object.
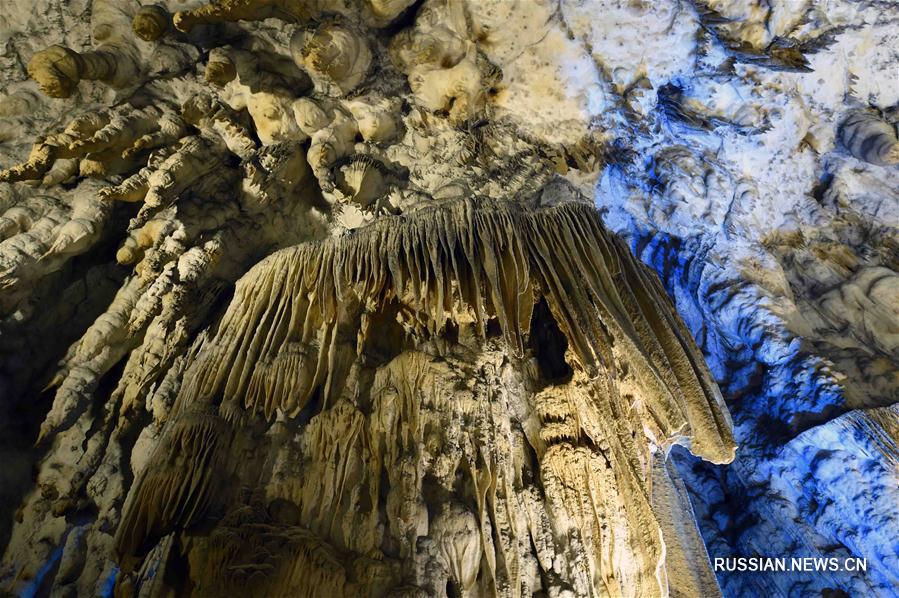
{"x":312,"y":297}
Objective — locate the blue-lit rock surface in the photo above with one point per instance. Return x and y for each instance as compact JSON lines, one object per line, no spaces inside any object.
{"x":308,"y":297}
{"x":780,"y":252}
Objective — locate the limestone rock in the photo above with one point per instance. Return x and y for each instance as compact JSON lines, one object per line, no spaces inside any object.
{"x":314,"y":298}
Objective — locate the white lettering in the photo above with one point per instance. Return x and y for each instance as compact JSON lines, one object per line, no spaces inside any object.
{"x":808,"y":564}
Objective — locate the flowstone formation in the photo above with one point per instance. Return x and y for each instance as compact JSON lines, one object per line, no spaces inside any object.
{"x":312,"y":297}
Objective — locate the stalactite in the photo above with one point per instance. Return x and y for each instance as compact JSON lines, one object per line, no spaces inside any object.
{"x":486,"y":261}
{"x":870,"y":138}
{"x":151,"y":22}
{"x":58,"y":70}
{"x":183,"y":479}
{"x":293,"y":332}
{"x":309,"y":297}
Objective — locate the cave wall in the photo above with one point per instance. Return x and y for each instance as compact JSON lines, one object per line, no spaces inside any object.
{"x":154,"y":157}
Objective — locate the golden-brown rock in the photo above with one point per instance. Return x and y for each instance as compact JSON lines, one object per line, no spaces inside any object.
{"x":151,"y":22}
{"x":58,"y":70}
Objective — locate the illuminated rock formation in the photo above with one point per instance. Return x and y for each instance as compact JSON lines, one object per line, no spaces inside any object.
{"x":385,"y":336}
{"x":314,"y":298}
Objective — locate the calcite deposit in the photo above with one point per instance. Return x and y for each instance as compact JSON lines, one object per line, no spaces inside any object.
{"x":448,"y":297}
